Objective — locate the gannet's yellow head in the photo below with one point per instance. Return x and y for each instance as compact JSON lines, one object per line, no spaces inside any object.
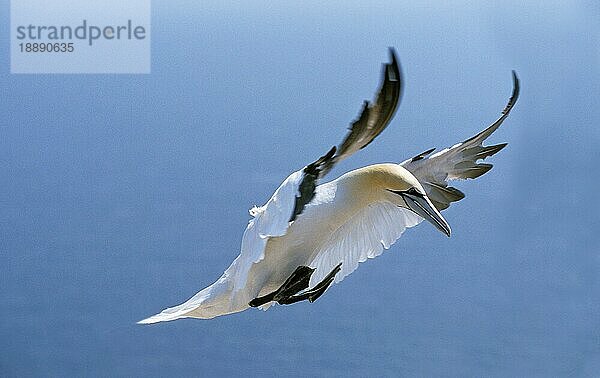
{"x":393,"y":183}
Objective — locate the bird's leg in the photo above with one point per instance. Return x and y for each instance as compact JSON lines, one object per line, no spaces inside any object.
{"x":314,"y":293}
{"x":298,"y":281}
{"x":295,"y":283}
{"x":320,"y":288}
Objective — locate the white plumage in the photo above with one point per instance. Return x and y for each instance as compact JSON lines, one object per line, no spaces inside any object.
{"x":331,"y":227}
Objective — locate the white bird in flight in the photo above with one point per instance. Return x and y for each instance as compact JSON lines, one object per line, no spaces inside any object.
{"x":311,"y":234}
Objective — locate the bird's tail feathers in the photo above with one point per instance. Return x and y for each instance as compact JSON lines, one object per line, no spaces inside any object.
{"x":210,"y":302}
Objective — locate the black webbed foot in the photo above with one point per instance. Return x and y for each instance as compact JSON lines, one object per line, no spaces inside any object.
{"x":298,"y":281}
{"x":295,"y":283}
{"x":320,"y":288}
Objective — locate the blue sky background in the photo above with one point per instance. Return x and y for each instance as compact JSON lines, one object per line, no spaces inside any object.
{"x":124,"y":194}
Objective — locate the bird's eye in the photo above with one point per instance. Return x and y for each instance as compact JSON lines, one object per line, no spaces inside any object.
{"x":414,"y":192}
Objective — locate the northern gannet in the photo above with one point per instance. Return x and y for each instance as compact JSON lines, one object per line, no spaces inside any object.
{"x":310,"y":234}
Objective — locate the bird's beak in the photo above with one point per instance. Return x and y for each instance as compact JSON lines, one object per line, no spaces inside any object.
{"x":422,"y":206}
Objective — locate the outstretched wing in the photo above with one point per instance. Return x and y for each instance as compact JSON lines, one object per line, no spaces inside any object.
{"x":373,"y":119}
{"x":298,"y":190}
{"x":379,"y":225}
{"x":270,"y":220}
{"x":457,"y":162}
{"x":364,"y":236}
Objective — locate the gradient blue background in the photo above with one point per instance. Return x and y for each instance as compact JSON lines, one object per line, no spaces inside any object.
{"x":123,"y":194}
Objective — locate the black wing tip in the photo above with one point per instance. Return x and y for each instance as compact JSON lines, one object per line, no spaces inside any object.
{"x":500,"y":146}
{"x":516,"y":85}
{"x":394,"y":65}
{"x":497,"y":148}
{"x":422,"y":155}
{"x":515,"y":93}
{"x":393,"y":55}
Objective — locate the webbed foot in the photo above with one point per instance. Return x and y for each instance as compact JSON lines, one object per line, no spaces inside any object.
{"x":298,"y":281}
